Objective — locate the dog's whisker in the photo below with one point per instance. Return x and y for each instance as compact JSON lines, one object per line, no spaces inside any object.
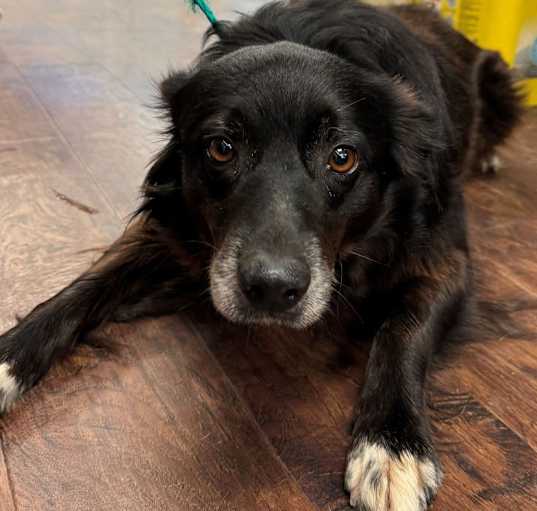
{"x":347,"y":302}
{"x":344,"y":107}
{"x":207,"y":290}
{"x":202,"y":242}
{"x":367,"y":258}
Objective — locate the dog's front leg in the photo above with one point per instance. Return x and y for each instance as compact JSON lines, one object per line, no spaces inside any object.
{"x":139,"y":275}
{"x":392,"y":465}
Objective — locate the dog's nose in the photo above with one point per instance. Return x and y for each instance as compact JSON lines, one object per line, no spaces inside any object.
{"x":273,"y":284}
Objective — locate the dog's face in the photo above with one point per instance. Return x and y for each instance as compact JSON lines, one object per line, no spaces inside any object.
{"x":286,"y":161}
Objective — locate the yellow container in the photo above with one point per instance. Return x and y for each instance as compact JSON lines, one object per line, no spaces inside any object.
{"x":509,"y":27}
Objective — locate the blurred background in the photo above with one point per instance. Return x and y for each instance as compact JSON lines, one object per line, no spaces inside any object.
{"x":507,"y":27}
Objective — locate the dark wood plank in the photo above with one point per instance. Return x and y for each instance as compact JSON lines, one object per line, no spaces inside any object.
{"x":304,"y":402}
{"x":160,"y":429}
{"x":487,"y":466}
{"x":292,"y":387}
{"x":502,"y":375}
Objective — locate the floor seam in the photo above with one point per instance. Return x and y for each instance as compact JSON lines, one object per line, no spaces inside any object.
{"x":249,"y":412}
{"x":8,"y":471}
{"x":69,"y":146}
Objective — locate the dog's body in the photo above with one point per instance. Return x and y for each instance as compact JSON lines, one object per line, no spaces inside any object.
{"x":311,"y":147}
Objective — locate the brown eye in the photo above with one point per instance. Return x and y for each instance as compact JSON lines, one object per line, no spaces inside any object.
{"x":221,"y":150}
{"x":343,"y":160}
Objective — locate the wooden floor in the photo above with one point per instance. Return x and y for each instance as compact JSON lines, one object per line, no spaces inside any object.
{"x":197,"y":415}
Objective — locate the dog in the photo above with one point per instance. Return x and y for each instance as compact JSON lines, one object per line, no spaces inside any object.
{"x":312,"y":145}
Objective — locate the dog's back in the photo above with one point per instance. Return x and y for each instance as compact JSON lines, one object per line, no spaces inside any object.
{"x":485,"y":102}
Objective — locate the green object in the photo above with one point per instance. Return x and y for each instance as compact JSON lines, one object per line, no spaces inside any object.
{"x":204,"y":7}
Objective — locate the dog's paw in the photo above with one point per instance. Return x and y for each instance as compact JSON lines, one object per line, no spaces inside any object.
{"x":380,"y":480}
{"x":10,"y":389}
{"x":491,"y":165}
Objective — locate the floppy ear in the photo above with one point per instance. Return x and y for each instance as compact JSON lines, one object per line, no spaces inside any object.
{"x":420,"y":134}
{"x":171,"y":87}
{"x":161,"y":189}
{"x":165,"y":166}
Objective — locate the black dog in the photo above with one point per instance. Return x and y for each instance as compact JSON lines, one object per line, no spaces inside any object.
{"x":312,"y":144}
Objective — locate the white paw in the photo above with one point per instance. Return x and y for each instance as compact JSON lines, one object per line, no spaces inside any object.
{"x":9,"y":388}
{"x":491,"y":165}
{"x":379,"y":480}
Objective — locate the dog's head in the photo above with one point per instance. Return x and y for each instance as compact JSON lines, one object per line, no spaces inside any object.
{"x":284,"y":159}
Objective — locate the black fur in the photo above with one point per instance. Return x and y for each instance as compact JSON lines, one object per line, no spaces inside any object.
{"x":421,"y":105}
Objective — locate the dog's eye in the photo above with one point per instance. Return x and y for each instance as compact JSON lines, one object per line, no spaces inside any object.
{"x":343,"y":160}
{"x":220,"y":150}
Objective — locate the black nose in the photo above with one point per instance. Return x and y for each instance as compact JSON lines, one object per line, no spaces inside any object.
{"x":273,"y":283}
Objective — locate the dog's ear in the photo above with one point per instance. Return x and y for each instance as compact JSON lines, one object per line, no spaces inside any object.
{"x":420,"y":135}
{"x":172,"y":85}
{"x":162,"y":184}
{"x":165,"y":167}
{"x":172,"y":92}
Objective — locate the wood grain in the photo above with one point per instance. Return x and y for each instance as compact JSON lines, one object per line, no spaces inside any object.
{"x":119,"y":435}
{"x":46,"y":241}
{"x":21,"y":116}
{"x":298,"y":396}
{"x":303,"y":399}
{"x":7,"y":502}
{"x":473,"y":445}
{"x":115,"y":137}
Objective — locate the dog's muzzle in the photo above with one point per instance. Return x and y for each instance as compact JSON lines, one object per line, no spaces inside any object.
{"x":271,"y":283}
{"x":256,"y":286}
